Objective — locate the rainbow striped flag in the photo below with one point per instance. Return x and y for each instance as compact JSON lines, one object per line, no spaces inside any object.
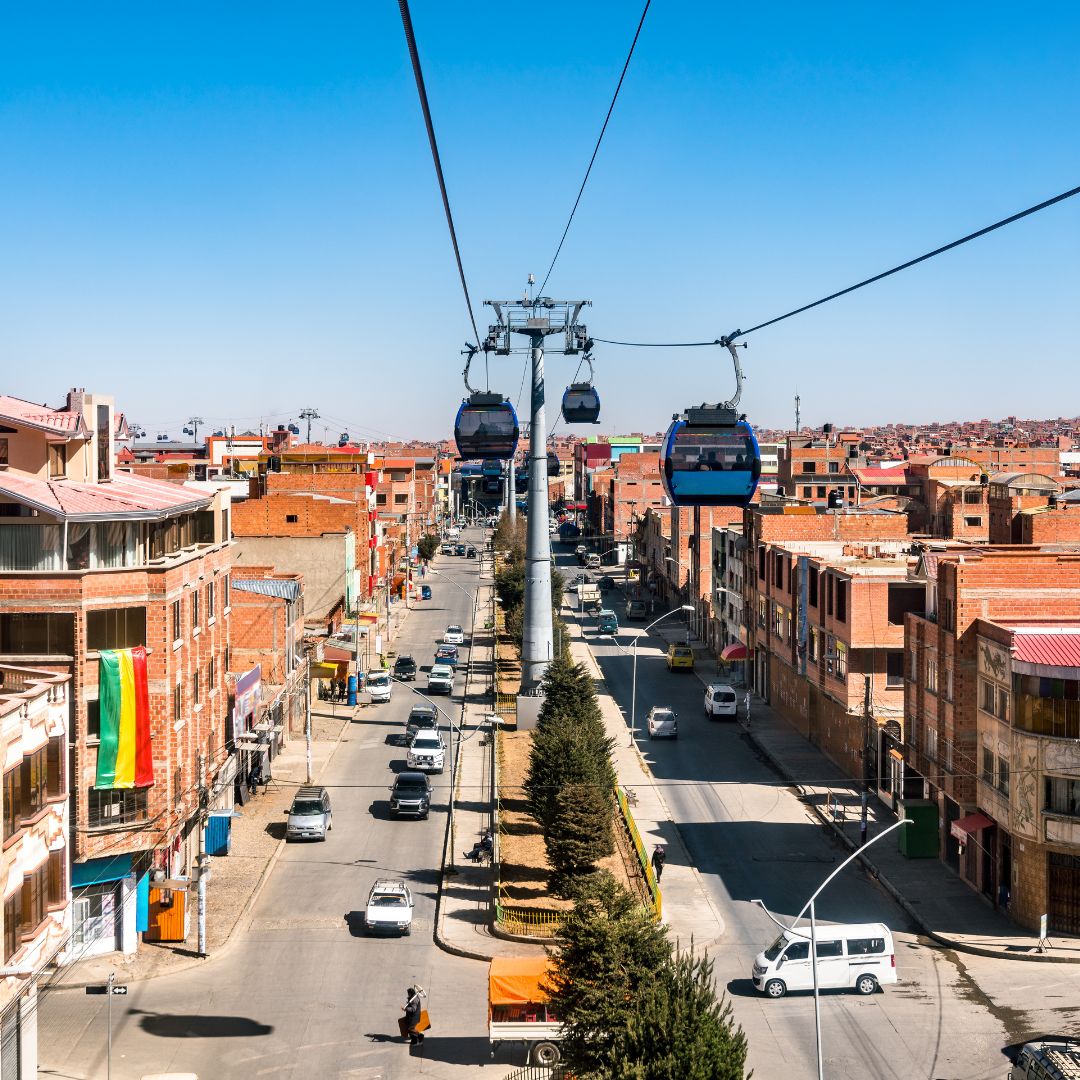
{"x":124,"y":756}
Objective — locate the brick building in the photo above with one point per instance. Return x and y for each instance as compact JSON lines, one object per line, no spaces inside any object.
{"x":1011,"y":493}
{"x":978,"y":695}
{"x":95,"y":559}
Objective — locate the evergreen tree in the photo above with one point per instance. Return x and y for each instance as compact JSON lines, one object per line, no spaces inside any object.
{"x":579,"y":837}
{"x":676,"y":1029}
{"x":609,"y":949}
{"x":427,"y":546}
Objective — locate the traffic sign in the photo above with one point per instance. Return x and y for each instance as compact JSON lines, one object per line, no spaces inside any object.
{"x":121,"y":990}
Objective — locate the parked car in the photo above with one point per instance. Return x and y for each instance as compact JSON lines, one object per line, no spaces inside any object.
{"x":635,"y":609}
{"x":720,"y":700}
{"x":860,"y":956}
{"x":680,"y":657}
{"x":606,"y":622}
{"x":446,"y":549}
{"x":470,"y":553}
{"x":309,"y":815}
{"x":427,"y":752}
{"x":580,"y":551}
{"x":389,"y":908}
{"x":661,"y":723}
{"x":425,"y":592}
{"x":592,"y":561}
{"x":446,"y":654}
{"x":440,"y":679}
{"x":606,"y":583}
{"x":454,"y":635}
{"x":379,"y":685}
{"x":421,"y":718}
{"x":411,"y":795}
{"x":459,"y":549}
{"x":405,"y":668}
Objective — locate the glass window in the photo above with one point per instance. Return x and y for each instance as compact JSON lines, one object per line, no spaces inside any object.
{"x":176,"y":702}
{"x":931,"y":674}
{"x":30,"y":547}
{"x":1003,"y":775}
{"x":117,"y":544}
{"x":115,"y":807}
{"x":115,"y":628}
{"x":829,"y":948}
{"x":34,"y":888}
{"x":841,"y":660}
{"x":195,"y":609}
{"x":34,"y":778}
{"x":841,"y":600}
{"x":931,"y":743}
{"x":988,"y":764}
{"x":211,"y":674}
{"x":12,"y":801}
{"x":798,"y":950}
{"x":1062,"y":795}
{"x":33,"y":634}
{"x":177,"y":616}
{"x":3,"y":453}
{"x":12,"y":924}
{"x":210,"y":598}
{"x":987,"y":696}
{"x":57,"y":867}
{"x":226,"y":586}
{"x":865,"y":946}
{"x":54,"y":764}
{"x":57,"y":460}
{"x":894,"y":668}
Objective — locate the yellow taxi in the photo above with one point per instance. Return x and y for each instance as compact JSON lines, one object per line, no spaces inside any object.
{"x":680,"y":657}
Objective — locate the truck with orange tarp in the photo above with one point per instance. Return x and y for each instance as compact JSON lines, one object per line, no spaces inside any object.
{"x":518,"y":1009}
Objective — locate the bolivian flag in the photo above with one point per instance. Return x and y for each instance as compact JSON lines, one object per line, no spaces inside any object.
{"x":124,"y":758}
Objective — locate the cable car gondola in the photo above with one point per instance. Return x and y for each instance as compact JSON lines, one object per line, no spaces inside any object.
{"x":580,"y":401}
{"x":554,"y":466}
{"x":491,"y":467}
{"x":710,"y":456}
{"x":492,"y":485}
{"x":521,"y":483}
{"x":486,"y":427}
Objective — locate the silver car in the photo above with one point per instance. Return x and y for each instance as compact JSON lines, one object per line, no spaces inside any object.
{"x":309,"y":815}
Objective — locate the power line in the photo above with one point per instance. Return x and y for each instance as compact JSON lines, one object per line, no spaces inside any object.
{"x":851,"y":288}
{"x":596,"y":149}
{"x":410,"y":38}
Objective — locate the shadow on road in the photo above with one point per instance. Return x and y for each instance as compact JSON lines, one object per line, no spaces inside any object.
{"x":194,"y":1026}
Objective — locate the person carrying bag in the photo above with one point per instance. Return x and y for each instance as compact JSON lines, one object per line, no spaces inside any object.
{"x":415,"y":1021}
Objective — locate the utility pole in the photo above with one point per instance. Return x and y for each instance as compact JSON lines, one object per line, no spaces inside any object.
{"x":192,"y":428}
{"x":868,"y":761}
{"x":307,"y":710}
{"x":537,"y":319}
{"x":202,"y":859}
{"x":309,"y":414}
{"x":511,"y":490}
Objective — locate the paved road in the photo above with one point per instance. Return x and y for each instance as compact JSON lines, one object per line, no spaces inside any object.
{"x":750,"y":837}
{"x":302,"y":993}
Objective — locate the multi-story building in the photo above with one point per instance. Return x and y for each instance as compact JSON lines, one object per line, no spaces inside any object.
{"x":728,"y":621}
{"x":986,"y":667}
{"x":1011,"y":493}
{"x":34,"y":862}
{"x":122,"y":583}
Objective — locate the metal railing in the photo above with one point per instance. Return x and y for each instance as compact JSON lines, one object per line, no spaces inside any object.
{"x":653,"y":886}
{"x":528,"y":921}
{"x":540,"y":1072}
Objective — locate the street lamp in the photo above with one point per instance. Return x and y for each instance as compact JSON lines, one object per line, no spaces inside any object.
{"x":813,"y":930}
{"x":633,"y":683}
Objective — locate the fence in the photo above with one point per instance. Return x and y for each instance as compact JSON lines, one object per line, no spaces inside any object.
{"x":540,"y":1072}
{"x":656,"y":900}
{"x":528,"y":921}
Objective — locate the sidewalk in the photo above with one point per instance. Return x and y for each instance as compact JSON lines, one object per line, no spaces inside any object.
{"x":463,"y":925}
{"x":258,"y":836}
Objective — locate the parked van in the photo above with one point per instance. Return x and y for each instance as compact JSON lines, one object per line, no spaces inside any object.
{"x":859,"y":955}
{"x":592,"y":561}
{"x":1052,"y":1058}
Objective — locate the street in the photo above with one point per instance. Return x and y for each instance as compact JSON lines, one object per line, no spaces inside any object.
{"x":301,"y":991}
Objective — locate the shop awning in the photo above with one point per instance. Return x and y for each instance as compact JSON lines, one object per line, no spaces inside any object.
{"x":735,"y":651}
{"x":98,"y":871}
{"x":969,"y":825}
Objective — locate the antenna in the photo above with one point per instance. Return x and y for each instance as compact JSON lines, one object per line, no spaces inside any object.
{"x":797,"y":419}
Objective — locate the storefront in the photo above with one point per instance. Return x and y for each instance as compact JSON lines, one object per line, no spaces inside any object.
{"x":104,"y":905}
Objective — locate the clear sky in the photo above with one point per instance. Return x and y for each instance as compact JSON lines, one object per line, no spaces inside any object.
{"x":229,"y":210}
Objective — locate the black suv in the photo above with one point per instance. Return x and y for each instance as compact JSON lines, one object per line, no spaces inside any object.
{"x":405,"y":669}
{"x":421,"y":718}
{"x":411,"y":795}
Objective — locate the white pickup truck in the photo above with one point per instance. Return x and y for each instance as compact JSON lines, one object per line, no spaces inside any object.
{"x":518,"y":1009}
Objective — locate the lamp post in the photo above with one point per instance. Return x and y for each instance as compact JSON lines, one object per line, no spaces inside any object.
{"x":633,"y":681}
{"x":813,"y":930}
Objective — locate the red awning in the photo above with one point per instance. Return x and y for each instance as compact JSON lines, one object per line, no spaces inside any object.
{"x":735,"y":651}
{"x":968,"y":825}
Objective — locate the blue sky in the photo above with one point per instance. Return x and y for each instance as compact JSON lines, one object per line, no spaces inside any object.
{"x":230,"y":210}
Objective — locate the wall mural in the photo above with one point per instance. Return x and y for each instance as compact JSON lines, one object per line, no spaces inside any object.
{"x":1025,"y":803}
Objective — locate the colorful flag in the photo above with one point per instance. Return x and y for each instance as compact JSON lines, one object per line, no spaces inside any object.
{"x":124,"y":755}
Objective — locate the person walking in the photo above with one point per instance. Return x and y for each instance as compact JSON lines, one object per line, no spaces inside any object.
{"x":659,"y":857}
{"x":746,"y":705}
{"x":411,"y":1008}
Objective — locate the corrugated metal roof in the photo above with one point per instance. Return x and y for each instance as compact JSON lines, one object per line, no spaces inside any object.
{"x":125,"y":496}
{"x":1058,"y":648}
{"x":282,"y":588}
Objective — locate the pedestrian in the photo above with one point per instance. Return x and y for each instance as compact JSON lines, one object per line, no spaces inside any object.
{"x":746,"y":705}
{"x":411,"y":1008}
{"x":659,"y":857}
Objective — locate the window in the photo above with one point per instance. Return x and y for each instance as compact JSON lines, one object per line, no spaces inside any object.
{"x":841,"y":600}
{"x":37,"y":635}
{"x":1003,"y":776}
{"x":812,"y":647}
{"x":380,"y":499}
{"x":12,"y":924}
{"x":211,"y":674}
{"x":57,"y":460}
{"x":57,"y":874}
{"x":947,"y":690}
{"x":809,"y":466}
{"x":931,"y":674}
{"x":115,"y":807}
{"x":401,"y":500}
{"x":988,"y":759}
{"x":177,"y":617}
{"x":972,"y":522}
{"x":812,"y":586}
{"x":35,"y":887}
{"x":93,"y":720}
{"x":830,"y":582}
{"x":195,"y":687}
{"x":821,"y":492}
{"x":211,"y":596}
{"x":778,"y":620}
{"x":807,"y":493}
{"x":778,"y":570}
{"x":946,"y":754}
{"x":34,"y":783}
{"x":841,"y":660}
{"x":865,"y":946}
{"x":1062,"y":795}
{"x":913,"y":664}
{"x":3,"y":453}
{"x":761,"y":563}
{"x":834,"y":466}
{"x":195,"y":609}
{"x":894,"y":668}
{"x":762,"y":608}
{"x":177,"y":699}
{"x":798,"y":950}
{"x":226,"y":591}
{"x":931,"y":743}
{"x":829,"y":948}
{"x":54,"y":767}
{"x":12,"y":800}
{"x":1002,"y":704}
{"x":987,"y":696}
{"x":291,"y":519}
{"x":948,"y":613}
{"x":115,"y":628}
{"x":789,"y":622}
{"x":178,"y":786}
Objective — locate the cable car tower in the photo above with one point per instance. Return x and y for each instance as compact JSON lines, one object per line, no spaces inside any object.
{"x":537,"y":319}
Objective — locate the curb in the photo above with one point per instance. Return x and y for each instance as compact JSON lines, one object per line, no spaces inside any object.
{"x":916,"y":917}
{"x":202,"y":961}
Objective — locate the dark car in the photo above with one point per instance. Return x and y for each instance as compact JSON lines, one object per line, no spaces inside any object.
{"x":405,"y":669}
{"x":421,"y":718}
{"x":459,"y":549}
{"x":446,"y":654}
{"x":425,"y":592}
{"x":606,"y":583}
{"x":470,"y":553}
{"x":411,"y":795}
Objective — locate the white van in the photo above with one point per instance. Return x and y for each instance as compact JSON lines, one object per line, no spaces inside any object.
{"x":858,"y":955}
{"x":720,"y":701}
